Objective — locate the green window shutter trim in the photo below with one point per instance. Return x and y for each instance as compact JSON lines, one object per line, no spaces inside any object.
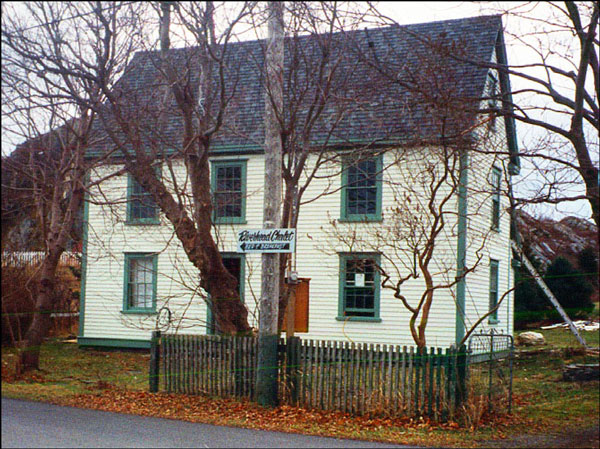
{"x":494,"y":278}
{"x":496,"y":176}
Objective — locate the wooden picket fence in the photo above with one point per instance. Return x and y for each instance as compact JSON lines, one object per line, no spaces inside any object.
{"x":358,"y":378}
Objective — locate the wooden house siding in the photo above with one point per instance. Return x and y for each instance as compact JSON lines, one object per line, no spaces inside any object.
{"x":109,"y":238}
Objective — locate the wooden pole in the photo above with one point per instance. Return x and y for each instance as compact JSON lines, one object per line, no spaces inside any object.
{"x":266,"y":379}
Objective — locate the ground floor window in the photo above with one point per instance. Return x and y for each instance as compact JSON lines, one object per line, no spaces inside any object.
{"x":140,"y":282}
{"x":359,"y":286}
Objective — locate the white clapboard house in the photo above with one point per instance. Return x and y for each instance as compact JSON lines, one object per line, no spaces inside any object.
{"x":137,"y":278}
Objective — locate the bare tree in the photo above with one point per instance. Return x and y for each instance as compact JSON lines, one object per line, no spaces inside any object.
{"x":554,"y":93}
{"x":189,"y":91}
{"x":199,"y":87}
{"x":51,"y":62}
{"x":564,"y":81}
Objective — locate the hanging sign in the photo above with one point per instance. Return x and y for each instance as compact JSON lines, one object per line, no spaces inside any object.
{"x":266,"y":241}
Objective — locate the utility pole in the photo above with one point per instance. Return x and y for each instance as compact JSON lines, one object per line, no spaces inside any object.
{"x":266,"y":378}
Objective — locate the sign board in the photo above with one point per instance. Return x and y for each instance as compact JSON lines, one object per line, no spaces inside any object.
{"x":266,"y":241}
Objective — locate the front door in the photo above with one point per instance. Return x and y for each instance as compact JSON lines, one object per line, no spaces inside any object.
{"x":235,"y":265}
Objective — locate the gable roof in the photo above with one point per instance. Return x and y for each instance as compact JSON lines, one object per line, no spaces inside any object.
{"x":396,"y":104}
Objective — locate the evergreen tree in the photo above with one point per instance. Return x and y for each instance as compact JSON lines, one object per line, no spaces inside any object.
{"x":587,"y":259}
{"x":568,"y":284}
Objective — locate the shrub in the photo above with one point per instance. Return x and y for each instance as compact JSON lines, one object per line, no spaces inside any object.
{"x":568,"y":284}
{"x":530,"y":300}
{"x":18,"y":291}
{"x":18,"y":301}
{"x":587,"y":260}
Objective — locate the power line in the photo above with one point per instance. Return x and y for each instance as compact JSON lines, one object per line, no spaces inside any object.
{"x":76,"y":16}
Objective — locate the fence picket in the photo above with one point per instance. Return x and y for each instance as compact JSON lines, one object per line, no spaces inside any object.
{"x":357,"y":378}
{"x":411,"y":361}
{"x":187,"y":358}
{"x":438,"y":391}
{"x":430,"y":384}
{"x":345,"y":376}
{"x":364,"y":380}
{"x":349,"y":365}
{"x":320,"y":369}
{"x":423,"y":382}
{"x":305,"y":374}
{"x":382,"y":401}
{"x":166,"y":361}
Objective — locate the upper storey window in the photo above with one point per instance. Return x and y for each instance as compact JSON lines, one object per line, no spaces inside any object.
{"x":141,"y":208}
{"x":496,"y":181}
{"x":229,"y":191}
{"x":361,"y":190}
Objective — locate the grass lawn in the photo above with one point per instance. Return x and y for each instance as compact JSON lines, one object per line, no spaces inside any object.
{"x":546,"y":410}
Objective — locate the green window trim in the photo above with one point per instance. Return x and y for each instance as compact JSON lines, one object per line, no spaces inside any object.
{"x":345,"y":215}
{"x":493,"y":291}
{"x":496,"y":185}
{"x":210,"y":325}
{"x":131,"y":186}
{"x":342,"y":309}
{"x":215,"y":166}
{"x":129,"y":257}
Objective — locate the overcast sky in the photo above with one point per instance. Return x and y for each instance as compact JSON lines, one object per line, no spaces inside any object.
{"x":416,"y":12}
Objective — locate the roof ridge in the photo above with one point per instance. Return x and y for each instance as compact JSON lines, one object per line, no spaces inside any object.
{"x":366,"y":29}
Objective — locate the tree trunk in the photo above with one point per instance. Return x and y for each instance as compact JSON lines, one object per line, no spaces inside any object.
{"x":29,"y":356}
{"x":230,"y":314}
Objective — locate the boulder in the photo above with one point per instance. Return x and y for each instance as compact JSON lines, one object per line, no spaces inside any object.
{"x":530,"y":339}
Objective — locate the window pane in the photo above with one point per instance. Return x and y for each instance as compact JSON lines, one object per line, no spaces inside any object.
{"x":359,"y":291}
{"x":228,"y":194}
{"x":141,"y":285}
{"x":142,"y":206}
{"x":493,"y":300}
{"x":361,"y":188}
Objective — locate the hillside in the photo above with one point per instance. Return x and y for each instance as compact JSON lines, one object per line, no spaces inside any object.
{"x":547,"y":239}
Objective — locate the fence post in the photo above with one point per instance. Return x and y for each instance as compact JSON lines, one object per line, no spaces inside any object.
{"x":292,"y":357}
{"x":461,"y":376}
{"x":154,"y":361}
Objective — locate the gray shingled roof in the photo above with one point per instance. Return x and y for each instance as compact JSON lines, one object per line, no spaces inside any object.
{"x":373,"y":104}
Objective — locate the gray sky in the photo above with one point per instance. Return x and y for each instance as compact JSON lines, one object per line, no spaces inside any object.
{"x":528,"y":136}
{"x":416,"y":12}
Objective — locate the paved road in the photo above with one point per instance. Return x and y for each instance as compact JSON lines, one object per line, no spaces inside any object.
{"x":37,"y":424}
